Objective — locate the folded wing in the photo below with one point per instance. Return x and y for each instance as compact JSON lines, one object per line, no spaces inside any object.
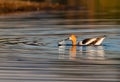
{"x":92,"y":41}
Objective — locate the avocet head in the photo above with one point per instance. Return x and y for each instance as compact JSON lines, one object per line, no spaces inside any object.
{"x":73,"y":39}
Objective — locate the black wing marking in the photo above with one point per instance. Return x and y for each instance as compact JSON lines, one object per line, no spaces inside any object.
{"x":86,"y":40}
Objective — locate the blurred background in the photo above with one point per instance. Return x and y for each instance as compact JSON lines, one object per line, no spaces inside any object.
{"x":88,"y":8}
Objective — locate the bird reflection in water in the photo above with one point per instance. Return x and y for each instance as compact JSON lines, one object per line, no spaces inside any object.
{"x":61,"y":52}
{"x":72,"y":53}
{"x":82,"y":52}
{"x":92,"y":52}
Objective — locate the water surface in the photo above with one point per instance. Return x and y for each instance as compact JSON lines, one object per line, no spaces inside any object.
{"x":29,"y":48}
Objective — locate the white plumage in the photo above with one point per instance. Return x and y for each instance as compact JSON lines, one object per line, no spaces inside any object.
{"x":88,"y":41}
{"x":92,"y":41}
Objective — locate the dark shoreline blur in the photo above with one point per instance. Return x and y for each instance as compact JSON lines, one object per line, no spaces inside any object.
{"x":93,"y":8}
{"x":18,"y":6}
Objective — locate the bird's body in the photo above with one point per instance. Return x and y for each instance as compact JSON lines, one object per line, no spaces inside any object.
{"x":92,"y":41}
{"x":88,"y":41}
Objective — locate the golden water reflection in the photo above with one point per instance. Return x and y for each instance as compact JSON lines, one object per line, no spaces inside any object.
{"x":82,"y":52}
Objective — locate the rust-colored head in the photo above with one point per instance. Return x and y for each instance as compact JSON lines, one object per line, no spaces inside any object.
{"x":73,"y":38}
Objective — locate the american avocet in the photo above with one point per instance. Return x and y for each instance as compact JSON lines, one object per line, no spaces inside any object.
{"x":88,"y":41}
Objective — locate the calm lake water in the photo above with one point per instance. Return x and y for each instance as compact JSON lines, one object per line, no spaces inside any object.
{"x":29,"y":50}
